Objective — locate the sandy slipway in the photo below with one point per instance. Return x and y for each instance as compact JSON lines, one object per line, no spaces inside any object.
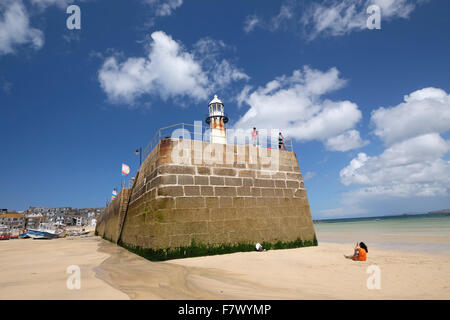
{"x":38,"y":270}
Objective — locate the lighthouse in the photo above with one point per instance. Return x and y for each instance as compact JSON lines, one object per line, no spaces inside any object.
{"x":217,"y":120}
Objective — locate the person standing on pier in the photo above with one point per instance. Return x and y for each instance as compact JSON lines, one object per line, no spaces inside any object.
{"x":281,"y":143}
{"x":254,"y":136}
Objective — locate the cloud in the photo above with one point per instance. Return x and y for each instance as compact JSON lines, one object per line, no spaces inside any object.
{"x":6,"y":86}
{"x":222,"y":72}
{"x":330,"y":17}
{"x":285,"y":15}
{"x":164,"y":7}
{"x":337,"y":18}
{"x":168,"y":71}
{"x":242,"y":96}
{"x":413,"y":163}
{"x":403,"y":167}
{"x":334,"y":213}
{"x":411,"y":173}
{"x":250,"y":23}
{"x":296,"y":106}
{"x":15,"y":29}
{"x":309,"y":175}
{"x":46,"y":3}
{"x":346,"y":141}
{"x":423,"y":111}
{"x":70,"y":37}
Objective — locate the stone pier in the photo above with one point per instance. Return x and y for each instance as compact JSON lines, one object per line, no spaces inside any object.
{"x":192,"y":193}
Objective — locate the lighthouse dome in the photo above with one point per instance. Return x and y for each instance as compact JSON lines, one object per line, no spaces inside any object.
{"x":215,"y":100}
{"x":216,"y":111}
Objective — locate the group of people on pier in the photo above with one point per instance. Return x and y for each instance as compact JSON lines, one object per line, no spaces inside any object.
{"x":281,"y":139}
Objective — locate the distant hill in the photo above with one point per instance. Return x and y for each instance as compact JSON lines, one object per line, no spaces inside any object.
{"x":443,"y":212}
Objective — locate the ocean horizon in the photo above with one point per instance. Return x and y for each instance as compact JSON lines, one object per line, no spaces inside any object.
{"x":424,"y":233}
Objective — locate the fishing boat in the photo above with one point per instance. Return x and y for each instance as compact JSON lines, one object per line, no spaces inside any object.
{"x":4,"y":233}
{"x":47,"y":231}
{"x":17,"y":233}
{"x":24,"y":235}
{"x":83,"y":232}
{"x":14,"y":235}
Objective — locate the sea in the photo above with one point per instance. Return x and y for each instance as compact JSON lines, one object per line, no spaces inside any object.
{"x":424,"y":233}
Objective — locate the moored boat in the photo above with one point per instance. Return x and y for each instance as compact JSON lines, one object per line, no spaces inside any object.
{"x":4,"y":236}
{"x":46,"y":231}
{"x":38,"y":234}
{"x":4,"y":233}
{"x":24,"y":235}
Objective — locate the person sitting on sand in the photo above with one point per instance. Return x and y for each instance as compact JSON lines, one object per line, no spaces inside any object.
{"x":259,"y":247}
{"x":360,"y":252}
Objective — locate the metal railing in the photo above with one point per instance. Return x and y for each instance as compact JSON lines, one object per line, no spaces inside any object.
{"x":203,"y":133}
{"x":223,"y":114}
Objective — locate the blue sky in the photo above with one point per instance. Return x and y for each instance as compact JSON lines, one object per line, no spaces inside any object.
{"x":369,"y":110}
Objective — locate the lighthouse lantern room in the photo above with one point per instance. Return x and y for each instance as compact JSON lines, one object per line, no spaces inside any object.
{"x":217,"y":120}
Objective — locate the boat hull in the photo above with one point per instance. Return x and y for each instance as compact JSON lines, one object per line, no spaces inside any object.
{"x":37,"y":234}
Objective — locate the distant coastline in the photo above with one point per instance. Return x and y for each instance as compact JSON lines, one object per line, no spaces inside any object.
{"x":436,"y":213}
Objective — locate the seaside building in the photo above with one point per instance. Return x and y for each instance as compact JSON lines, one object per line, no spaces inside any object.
{"x":61,"y":215}
{"x":12,"y":220}
{"x":192,"y":197}
{"x":33,"y":220}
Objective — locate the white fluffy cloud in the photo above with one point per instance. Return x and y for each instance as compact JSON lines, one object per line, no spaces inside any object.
{"x":341,"y":17}
{"x":410,"y":162}
{"x":295,"y":105}
{"x":15,"y":28}
{"x":168,"y":71}
{"x":346,"y":141}
{"x":413,"y":163}
{"x":423,"y":111}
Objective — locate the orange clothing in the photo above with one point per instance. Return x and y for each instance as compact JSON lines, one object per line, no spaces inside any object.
{"x":362,"y":254}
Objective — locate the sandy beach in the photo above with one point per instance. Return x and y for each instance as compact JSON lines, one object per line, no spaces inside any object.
{"x":33,"y":269}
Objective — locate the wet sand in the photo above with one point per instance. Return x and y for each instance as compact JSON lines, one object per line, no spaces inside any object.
{"x":36,"y":269}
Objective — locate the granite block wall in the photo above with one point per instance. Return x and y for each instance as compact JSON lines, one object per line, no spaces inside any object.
{"x":214,"y":194}
{"x":110,"y":222}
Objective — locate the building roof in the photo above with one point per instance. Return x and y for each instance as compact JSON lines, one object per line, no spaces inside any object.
{"x":11,"y":215}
